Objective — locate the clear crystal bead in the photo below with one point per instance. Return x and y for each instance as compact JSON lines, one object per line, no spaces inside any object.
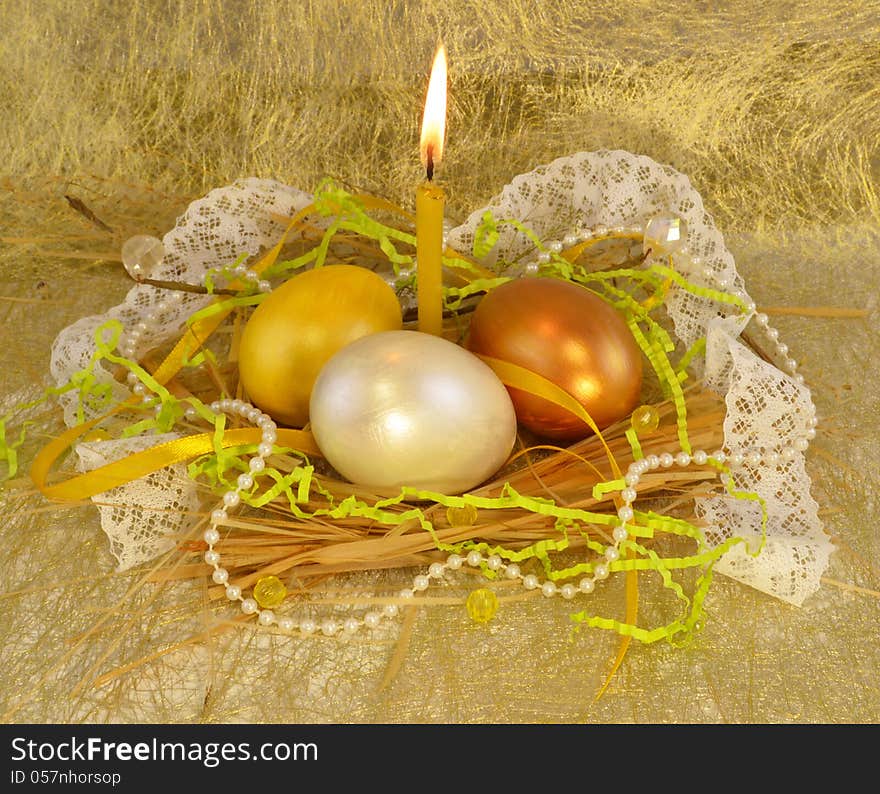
{"x":141,"y":255}
{"x":664,"y":234}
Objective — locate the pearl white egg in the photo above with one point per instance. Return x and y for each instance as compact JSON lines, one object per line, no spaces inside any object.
{"x":404,"y":408}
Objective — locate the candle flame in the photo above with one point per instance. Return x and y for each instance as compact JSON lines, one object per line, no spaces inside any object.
{"x":434,"y":119}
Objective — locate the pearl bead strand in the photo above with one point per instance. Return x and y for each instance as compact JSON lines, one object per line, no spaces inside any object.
{"x":474,"y":559}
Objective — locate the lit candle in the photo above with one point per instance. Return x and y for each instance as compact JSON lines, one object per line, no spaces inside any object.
{"x":430,"y":201}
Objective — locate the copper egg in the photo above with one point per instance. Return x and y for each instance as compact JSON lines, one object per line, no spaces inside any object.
{"x":571,"y":337}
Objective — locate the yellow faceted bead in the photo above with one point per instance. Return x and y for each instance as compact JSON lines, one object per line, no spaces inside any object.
{"x":269,"y":592}
{"x":461,"y":516}
{"x":645,"y":419}
{"x":481,"y":605}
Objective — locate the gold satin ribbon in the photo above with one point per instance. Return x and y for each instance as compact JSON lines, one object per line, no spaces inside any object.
{"x":531,"y":382}
{"x":149,"y":460}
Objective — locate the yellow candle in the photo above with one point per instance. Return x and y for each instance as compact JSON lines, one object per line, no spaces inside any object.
{"x":430,"y":202}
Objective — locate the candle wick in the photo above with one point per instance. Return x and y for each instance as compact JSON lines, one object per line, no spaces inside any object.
{"x":429,"y":168}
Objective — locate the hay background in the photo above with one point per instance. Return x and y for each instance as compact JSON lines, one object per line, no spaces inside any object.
{"x":136,"y":108}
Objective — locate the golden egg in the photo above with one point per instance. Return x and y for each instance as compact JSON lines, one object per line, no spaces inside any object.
{"x":301,"y":325}
{"x":571,"y":337}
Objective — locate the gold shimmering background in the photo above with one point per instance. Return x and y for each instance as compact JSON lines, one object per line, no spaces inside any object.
{"x":137,"y":108}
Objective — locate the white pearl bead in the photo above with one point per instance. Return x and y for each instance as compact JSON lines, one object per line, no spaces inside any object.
{"x":390,"y":610}
{"x":220,"y":575}
{"x":782,"y":348}
{"x":653,"y":461}
{"x":245,"y":481}
{"x":700,"y":457}
{"x":555,"y":246}
{"x":212,"y":557}
{"x":233,"y":592}
{"x":249,"y":606}
{"x":543,"y":257}
{"x":257,"y":464}
{"x":772,"y":458}
{"x":601,"y":571}
{"x":612,"y":554}
{"x":435,"y":570}
{"x":139,"y":388}
{"x":789,"y":453}
{"x":211,"y":536}
{"x":682,"y":459}
{"x":666,"y":460}
{"x":570,"y":240}
{"x":587,"y":585}
{"x":454,"y":561}
{"x":286,"y":624}
{"x":264,"y":286}
{"x":372,"y":619}
{"x":620,"y":533}
{"x":735,"y":459}
{"x":632,"y":478}
{"x":753,"y":458}
{"x":568,"y":591}
{"x":772,"y":334}
{"x":264,"y":450}
{"x":801,"y":444}
{"x":406,"y":593}
{"x":761,"y":319}
{"x":494,"y":562}
{"x":421,"y":582}
{"x":267,"y":617}
{"x":530,"y":582}
{"x":512,"y":571}
{"x":474,"y":558}
{"x":225,"y":404}
{"x":329,"y":627}
{"x":235,"y":406}
{"x":231,"y":499}
{"x":351,"y":625}
{"x":218,"y":516}
{"x":810,"y":434}
{"x":190,"y":412}
{"x":720,"y":456}
{"x":625,"y":513}
{"x":253,"y":414}
{"x":548,"y":589}
{"x":308,"y":626}
{"x":269,"y":435}
{"x":628,"y":494}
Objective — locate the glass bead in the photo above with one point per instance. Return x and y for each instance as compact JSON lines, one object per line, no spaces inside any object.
{"x":142,"y":255}
{"x":645,"y":419}
{"x":481,"y":605}
{"x":269,"y":592}
{"x":664,"y":234}
{"x":461,"y":516}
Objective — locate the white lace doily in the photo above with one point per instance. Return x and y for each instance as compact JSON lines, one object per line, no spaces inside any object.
{"x":605,"y":187}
